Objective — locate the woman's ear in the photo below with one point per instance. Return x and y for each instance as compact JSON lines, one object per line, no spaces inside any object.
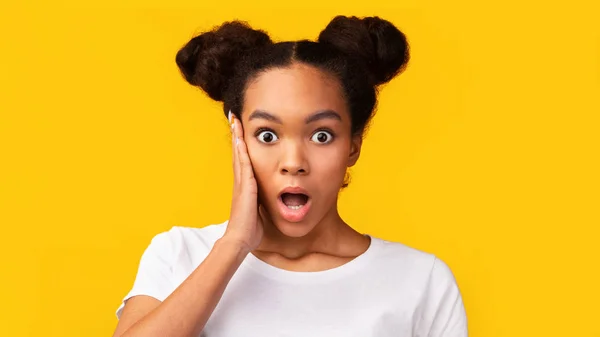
{"x":355,"y":147}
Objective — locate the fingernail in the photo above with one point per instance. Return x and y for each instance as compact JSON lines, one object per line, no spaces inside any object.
{"x":229,"y":116}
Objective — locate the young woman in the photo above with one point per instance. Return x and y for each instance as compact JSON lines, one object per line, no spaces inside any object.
{"x":286,"y":263}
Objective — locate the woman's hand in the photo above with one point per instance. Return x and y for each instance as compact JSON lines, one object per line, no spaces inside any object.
{"x":245,"y":226}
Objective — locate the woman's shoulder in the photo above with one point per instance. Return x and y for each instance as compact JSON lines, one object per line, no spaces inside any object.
{"x":191,"y":240}
{"x":430,"y":282}
{"x":170,"y":257}
{"x":396,"y":252}
{"x":404,"y":260}
{"x":206,"y":235}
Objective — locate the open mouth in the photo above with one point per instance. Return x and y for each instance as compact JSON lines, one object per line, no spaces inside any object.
{"x":294,"y":204}
{"x":294,"y":201}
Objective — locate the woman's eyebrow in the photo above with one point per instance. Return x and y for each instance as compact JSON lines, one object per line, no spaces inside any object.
{"x":325,"y":114}
{"x":317,"y":116}
{"x":261,"y":114}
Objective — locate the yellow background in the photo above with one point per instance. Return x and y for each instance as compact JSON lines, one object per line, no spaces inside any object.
{"x":484,"y":152}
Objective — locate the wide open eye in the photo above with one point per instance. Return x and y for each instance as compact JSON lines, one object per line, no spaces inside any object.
{"x":267,"y":137}
{"x":322,"y":137}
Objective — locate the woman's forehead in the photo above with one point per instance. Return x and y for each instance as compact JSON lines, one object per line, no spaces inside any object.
{"x":298,"y":89}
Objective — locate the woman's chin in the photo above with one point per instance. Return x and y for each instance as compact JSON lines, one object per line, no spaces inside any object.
{"x":294,"y":229}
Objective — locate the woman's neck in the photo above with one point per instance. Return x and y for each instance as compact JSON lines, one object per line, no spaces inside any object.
{"x":331,"y":236}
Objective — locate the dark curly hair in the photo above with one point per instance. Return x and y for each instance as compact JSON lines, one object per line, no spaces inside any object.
{"x":361,"y":53}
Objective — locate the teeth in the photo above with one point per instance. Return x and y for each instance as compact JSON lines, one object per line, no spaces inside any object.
{"x":295,"y":207}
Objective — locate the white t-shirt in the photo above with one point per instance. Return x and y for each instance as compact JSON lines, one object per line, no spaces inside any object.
{"x":389,"y":290}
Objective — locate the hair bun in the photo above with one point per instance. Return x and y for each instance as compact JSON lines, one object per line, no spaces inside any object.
{"x":377,"y":43}
{"x":208,"y":60}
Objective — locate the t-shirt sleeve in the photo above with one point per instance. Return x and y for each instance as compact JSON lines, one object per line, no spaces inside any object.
{"x":155,"y":273}
{"x":443,"y":312}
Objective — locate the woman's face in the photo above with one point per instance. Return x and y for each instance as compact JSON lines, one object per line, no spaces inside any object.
{"x":297,"y":129}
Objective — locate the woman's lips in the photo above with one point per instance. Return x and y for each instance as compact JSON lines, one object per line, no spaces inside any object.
{"x":296,"y":212}
{"x":293,"y":213}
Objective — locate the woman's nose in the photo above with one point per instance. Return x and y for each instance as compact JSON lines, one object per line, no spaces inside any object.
{"x":293,"y":160}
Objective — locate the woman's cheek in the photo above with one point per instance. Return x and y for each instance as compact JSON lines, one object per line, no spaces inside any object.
{"x":330,"y":163}
{"x":261,"y":161}
{"x":256,"y":152}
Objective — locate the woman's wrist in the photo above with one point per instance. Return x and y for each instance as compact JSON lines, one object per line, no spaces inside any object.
{"x":234,"y":246}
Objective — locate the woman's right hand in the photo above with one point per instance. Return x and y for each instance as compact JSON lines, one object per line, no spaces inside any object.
{"x":245,"y":226}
